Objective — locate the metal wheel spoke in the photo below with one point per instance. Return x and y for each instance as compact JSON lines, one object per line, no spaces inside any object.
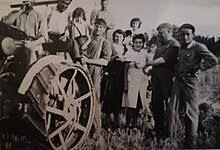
{"x":48,"y":121}
{"x":83,"y":97}
{"x":62,"y":141}
{"x":57,"y":112}
{"x":59,"y":130}
{"x":80,"y":127}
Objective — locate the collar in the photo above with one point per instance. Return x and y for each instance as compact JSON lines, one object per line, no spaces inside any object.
{"x":28,"y":11}
{"x":190,"y":44}
{"x":97,"y":38}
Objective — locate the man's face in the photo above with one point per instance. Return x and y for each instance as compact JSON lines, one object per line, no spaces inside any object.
{"x":163,"y":34}
{"x":63,"y":5}
{"x":186,"y":35}
{"x":28,"y":4}
{"x":104,"y":5}
{"x":99,"y":29}
{"x":135,"y":24}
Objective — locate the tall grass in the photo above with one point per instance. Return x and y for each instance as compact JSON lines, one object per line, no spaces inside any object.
{"x":143,"y":138}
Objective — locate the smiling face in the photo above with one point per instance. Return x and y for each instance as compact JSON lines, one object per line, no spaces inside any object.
{"x":118,"y":38}
{"x":99,"y":30}
{"x":138,"y":44}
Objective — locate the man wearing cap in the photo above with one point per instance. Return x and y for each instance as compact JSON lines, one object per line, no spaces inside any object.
{"x":28,"y":20}
{"x":98,"y":55}
{"x":193,"y":58}
{"x":163,"y":64}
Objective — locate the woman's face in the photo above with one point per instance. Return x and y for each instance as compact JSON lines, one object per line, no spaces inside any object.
{"x":80,"y":18}
{"x":118,"y":38}
{"x":135,"y":24}
{"x":138,"y":44}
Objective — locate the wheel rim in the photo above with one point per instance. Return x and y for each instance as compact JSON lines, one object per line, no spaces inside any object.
{"x":69,"y":110}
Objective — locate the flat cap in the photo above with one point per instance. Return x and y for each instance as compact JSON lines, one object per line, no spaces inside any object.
{"x":165,"y":25}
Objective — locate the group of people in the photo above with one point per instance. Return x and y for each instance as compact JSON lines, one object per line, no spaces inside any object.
{"x":121,"y":64}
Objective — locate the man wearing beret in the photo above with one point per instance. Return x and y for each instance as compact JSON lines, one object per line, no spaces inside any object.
{"x":163,"y":64}
{"x":97,"y":55}
{"x":193,"y":58}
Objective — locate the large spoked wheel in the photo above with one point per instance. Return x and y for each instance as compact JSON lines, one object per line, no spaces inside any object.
{"x":69,"y":109}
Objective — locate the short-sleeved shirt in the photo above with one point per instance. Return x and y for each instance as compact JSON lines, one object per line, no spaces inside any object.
{"x":190,"y":58}
{"x":94,"y":46}
{"x":168,"y":51}
{"x":58,"y":21}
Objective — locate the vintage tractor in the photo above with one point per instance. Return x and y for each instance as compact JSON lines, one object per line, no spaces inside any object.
{"x":51,"y":101}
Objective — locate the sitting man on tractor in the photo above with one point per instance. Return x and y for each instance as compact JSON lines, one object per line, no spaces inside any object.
{"x":34,"y":25}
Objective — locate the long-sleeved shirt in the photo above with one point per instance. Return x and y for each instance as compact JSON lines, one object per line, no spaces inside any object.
{"x":193,"y":57}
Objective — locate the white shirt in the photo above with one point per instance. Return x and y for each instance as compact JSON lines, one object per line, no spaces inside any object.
{"x":58,"y":21}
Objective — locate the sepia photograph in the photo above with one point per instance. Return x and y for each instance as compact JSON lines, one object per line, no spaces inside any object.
{"x":109,"y":74}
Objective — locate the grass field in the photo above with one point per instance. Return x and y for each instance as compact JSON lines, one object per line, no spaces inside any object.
{"x":143,"y":138}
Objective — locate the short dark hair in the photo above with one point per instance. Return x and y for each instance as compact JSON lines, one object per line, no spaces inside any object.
{"x":136,"y":20}
{"x":103,"y":0}
{"x":139,"y":36}
{"x":101,"y":21}
{"x":78,"y":11}
{"x":119,"y":31}
{"x":188,"y":26}
{"x":128,"y":33}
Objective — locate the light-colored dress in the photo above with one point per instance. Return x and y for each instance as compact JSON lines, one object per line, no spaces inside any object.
{"x":137,"y":80}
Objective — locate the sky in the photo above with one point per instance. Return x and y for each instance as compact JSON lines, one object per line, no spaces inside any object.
{"x":203,"y":14}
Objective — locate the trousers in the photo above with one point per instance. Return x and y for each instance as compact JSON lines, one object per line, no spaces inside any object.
{"x":184,"y":99}
{"x":162,"y":83}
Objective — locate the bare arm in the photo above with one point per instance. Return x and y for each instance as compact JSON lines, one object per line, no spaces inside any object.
{"x":11,"y":17}
{"x":97,"y":62}
{"x":155,"y":62}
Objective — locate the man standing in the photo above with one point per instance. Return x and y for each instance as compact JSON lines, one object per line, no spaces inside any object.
{"x":193,"y":57}
{"x":28,"y":20}
{"x":105,"y":15}
{"x":58,"y":27}
{"x":98,"y":55}
{"x":163,"y":64}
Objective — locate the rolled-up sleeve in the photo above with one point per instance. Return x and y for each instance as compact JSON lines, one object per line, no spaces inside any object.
{"x":106,"y":51}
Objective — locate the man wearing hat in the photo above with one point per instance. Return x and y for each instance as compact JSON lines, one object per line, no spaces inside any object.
{"x":193,"y":58}
{"x":163,"y":64}
{"x":98,"y":55}
{"x":28,"y":20}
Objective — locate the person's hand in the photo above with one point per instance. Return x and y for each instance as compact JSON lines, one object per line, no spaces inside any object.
{"x":23,"y":7}
{"x":126,"y":88}
{"x":198,"y":72}
{"x":29,"y":44}
{"x":63,"y":38}
{"x":84,"y":47}
{"x":84,"y":60}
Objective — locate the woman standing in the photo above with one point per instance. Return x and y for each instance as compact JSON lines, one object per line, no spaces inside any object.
{"x":114,"y":80}
{"x":79,"y":32}
{"x":136,"y":80}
